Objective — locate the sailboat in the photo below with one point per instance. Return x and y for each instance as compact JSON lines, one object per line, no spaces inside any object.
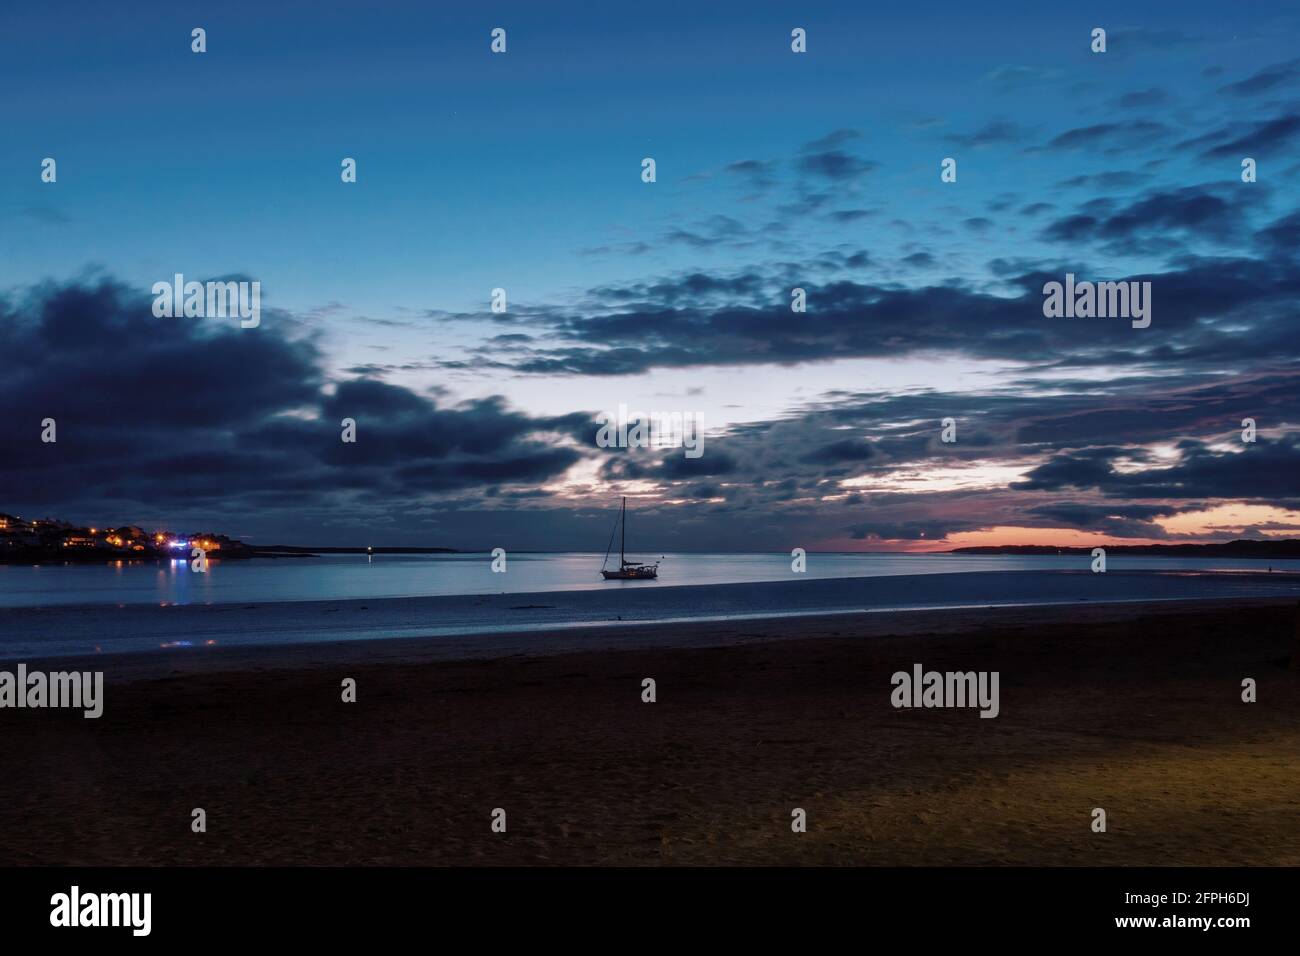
{"x":627,"y":570}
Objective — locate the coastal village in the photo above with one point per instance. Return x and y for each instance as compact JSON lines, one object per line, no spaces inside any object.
{"x":49,"y":539}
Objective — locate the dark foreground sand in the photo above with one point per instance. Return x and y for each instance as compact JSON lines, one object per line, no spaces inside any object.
{"x":1135,"y":709}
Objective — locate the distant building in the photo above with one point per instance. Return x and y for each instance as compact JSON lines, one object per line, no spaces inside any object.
{"x":46,"y":537}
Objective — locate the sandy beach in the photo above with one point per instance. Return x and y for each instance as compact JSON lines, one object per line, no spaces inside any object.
{"x":1132,"y":708}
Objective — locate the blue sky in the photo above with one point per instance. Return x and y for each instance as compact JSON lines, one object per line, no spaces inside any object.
{"x":774,"y":169}
{"x":480,"y":170}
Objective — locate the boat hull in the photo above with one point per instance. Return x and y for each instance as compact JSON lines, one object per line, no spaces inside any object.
{"x":631,"y":574}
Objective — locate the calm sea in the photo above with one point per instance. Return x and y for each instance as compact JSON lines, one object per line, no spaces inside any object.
{"x":340,"y":577}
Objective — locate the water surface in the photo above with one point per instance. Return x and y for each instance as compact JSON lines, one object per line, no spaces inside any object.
{"x":342,"y":577}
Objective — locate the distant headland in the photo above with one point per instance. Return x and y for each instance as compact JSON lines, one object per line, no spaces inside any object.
{"x":49,"y":540}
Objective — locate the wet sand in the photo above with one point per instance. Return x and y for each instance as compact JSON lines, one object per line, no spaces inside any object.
{"x":1133,"y":708}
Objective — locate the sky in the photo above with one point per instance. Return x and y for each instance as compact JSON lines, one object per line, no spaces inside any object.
{"x":775,"y":170}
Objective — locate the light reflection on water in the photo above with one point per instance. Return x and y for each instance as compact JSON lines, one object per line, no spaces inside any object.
{"x":339,"y":577}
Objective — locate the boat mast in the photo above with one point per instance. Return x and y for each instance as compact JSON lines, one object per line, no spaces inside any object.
{"x":622,"y":539}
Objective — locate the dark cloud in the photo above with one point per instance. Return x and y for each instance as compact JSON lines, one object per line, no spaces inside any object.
{"x":1065,"y":434}
{"x":1265,"y":137}
{"x":1266,"y":80}
{"x":715,"y":231}
{"x":851,"y":215}
{"x":152,"y":431}
{"x":1191,"y":209}
{"x":181,"y":416}
{"x":1282,"y":237}
{"x":835,"y":165}
{"x":1036,"y":208}
{"x":907,"y":531}
{"x":992,"y":133}
{"x":1110,"y":137}
{"x":847,"y":449}
{"x":832,"y":140}
{"x":1112,"y":179}
{"x":1264,"y":470}
{"x":1120,"y":521}
{"x":1084,"y":515}
{"x":761,"y":174}
{"x":1081,"y":470}
{"x":1140,"y":99}
{"x":682,"y":322}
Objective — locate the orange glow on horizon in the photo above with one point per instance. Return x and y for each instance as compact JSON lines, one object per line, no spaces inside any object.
{"x":1000,"y":536}
{"x":1223,"y":522}
{"x":1234,"y":518}
{"x":1051,"y":537}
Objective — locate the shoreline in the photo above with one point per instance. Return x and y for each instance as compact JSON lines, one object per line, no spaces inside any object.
{"x":177,"y":662}
{"x":522,"y":619}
